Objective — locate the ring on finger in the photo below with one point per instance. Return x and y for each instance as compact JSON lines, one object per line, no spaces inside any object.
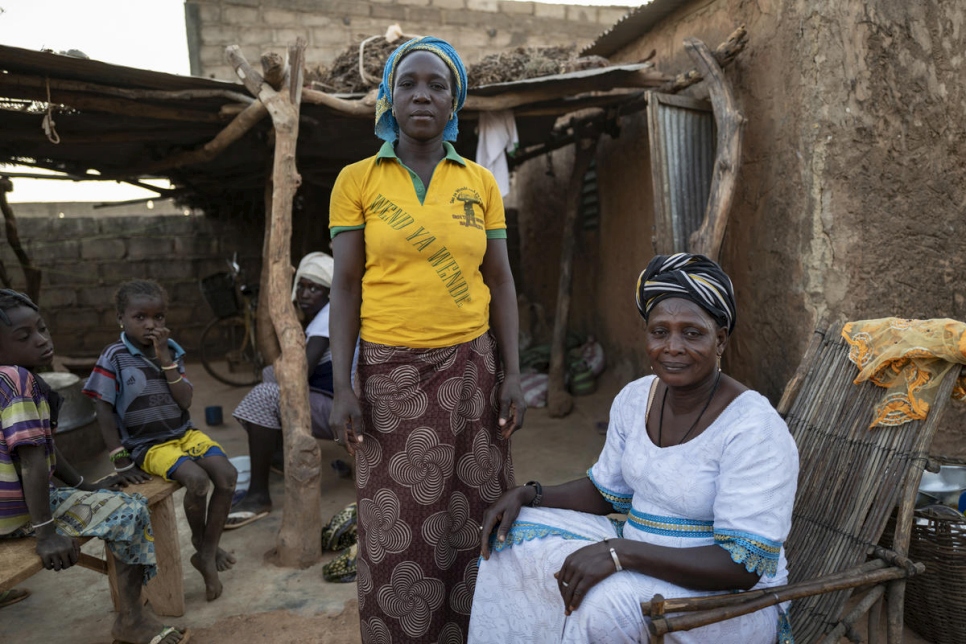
{"x":565,"y":584}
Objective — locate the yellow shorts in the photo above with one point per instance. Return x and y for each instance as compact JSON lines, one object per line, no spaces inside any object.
{"x":164,"y":459}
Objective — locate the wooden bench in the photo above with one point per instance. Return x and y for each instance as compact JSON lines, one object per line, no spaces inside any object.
{"x":19,"y":559}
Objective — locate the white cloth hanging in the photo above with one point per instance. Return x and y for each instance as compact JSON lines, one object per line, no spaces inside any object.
{"x":498,"y":134}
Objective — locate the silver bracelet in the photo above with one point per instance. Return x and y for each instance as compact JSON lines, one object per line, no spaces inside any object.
{"x":79,"y":483}
{"x":617,"y":562}
{"x":129,"y":466}
{"x":40,"y":525}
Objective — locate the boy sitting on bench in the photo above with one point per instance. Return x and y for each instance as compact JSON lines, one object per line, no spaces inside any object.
{"x":31,"y":506}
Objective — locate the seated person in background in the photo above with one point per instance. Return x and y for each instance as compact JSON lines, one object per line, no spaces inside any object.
{"x":259,"y":412}
{"x":30,"y":506}
{"x":705,"y":469}
{"x":142,"y":398}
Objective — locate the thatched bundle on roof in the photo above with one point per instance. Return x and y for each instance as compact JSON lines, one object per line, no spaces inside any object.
{"x":344,"y":77}
{"x":518,"y":64}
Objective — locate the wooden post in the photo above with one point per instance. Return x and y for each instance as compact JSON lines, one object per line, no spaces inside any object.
{"x":707,"y":239}
{"x":559,"y":401}
{"x":265,"y":337}
{"x":30,"y":272}
{"x":298,"y":543}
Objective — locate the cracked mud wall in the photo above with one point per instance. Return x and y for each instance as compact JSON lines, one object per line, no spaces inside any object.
{"x":851,"y":192}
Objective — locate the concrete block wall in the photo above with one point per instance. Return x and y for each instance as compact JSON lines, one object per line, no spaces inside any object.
{"x":85,"y":255}
{"x":475,"y":27}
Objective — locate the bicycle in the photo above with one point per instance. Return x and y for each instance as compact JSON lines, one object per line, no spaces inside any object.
{"x":229,"y":351}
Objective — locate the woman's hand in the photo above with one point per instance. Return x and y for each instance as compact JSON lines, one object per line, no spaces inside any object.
{"x":513,"y":406}
{"x":346,"y":420}
{"x":583,"y":570}
{"x":504,"y":511}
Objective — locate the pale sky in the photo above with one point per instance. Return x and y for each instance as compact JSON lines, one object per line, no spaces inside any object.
{"x":148,"y":34}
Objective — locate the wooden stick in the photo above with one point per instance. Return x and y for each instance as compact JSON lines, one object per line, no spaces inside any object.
{"x":723,"y":54}
{"x":275,"y":68}
{"x":298,"y":543}
{"x":232,"y":132}
{"x":108,"y":104}
{"x":708,"y":602}
{"x":559,"y":401}
{"x":507,"y":100}
{"x":662,"y":626}
{"x":349,"y":108}
{"x":31,"y":273}
{"x":122,"y":92}
{"x":707,"y":239}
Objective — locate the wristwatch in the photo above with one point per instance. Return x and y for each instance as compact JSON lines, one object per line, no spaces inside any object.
{"x":539,"y":496}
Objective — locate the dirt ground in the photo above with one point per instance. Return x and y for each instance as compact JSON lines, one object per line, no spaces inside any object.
{"x":286,"y":626}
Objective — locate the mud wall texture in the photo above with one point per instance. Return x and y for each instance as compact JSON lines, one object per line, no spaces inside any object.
{"x":851,"y":191}
{"x":475,"y":27}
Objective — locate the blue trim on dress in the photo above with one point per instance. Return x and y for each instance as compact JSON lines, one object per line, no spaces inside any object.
{"x":785,"y":635}
{"x":522,"y":531}
{"x":620,"y":502}
{"x":670,"y":526}
{"x":759,"y":555}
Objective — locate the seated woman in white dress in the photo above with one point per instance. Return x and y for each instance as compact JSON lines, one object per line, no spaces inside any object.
{"x":704,"y":468}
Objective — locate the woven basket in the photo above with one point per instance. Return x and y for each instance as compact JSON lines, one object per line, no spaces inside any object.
{"x":219,"y":292}
{"x":936,"y":600}
{"x":935,"y":605}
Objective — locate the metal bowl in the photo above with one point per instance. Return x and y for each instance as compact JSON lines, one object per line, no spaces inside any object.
{"x":954,"y":474}
{"x":946,"y":486}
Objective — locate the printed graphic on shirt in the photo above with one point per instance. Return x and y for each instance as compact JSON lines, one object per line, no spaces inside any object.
{"x":468,"y":197}
{"x":439,"y":257}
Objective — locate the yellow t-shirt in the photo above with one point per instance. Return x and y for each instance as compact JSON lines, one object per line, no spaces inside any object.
{"x":422,"y":286}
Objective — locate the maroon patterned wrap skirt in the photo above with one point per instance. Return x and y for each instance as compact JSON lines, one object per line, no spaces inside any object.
{"x":431,"y":462}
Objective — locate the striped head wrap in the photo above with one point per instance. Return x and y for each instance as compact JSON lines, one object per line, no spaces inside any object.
{"x":692,"y":277}
{"x":387,"y":128}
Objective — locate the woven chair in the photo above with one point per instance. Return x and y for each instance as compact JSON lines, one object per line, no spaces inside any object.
{"x":851,"y":480}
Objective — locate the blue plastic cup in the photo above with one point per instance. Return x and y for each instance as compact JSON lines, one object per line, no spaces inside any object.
{"x":213,"y":415}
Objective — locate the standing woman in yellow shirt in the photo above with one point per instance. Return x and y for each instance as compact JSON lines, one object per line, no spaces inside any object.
{"x":422,"y":273}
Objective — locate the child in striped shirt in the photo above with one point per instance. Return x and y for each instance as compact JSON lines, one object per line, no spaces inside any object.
{"x":142,"y":399}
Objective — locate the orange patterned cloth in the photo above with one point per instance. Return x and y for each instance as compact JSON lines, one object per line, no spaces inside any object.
{"x":909,"y":358}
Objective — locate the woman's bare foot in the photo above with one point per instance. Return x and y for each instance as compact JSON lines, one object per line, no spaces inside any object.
{"x":142,"y":629}
{"x":209,"y":571}
{"x":223,"y":560}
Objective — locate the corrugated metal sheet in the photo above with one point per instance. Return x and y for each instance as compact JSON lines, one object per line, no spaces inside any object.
{"x":632,"y":26}
{"x":682,"y":139}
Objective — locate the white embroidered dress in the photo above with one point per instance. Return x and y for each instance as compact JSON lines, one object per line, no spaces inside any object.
{"x":733,"y":485}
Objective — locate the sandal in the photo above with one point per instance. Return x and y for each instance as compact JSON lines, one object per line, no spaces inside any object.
{"x":340,"y":532}
{"x":342,"y":569}
{"x":240,"y":518}
{"x":167,"y":630}
{"x":12,"y":596}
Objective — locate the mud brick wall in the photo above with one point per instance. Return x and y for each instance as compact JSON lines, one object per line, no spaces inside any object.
{"x":475,"y":27}
{"x":85,"y":256}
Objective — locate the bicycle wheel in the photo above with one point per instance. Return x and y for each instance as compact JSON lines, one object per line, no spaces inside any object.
{"x":228,"y":354}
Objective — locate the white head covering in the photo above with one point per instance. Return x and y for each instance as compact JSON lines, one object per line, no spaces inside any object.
{"x":315,"y":267}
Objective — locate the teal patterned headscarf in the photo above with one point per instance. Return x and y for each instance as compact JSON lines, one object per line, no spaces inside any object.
{"x":387,"y":128}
